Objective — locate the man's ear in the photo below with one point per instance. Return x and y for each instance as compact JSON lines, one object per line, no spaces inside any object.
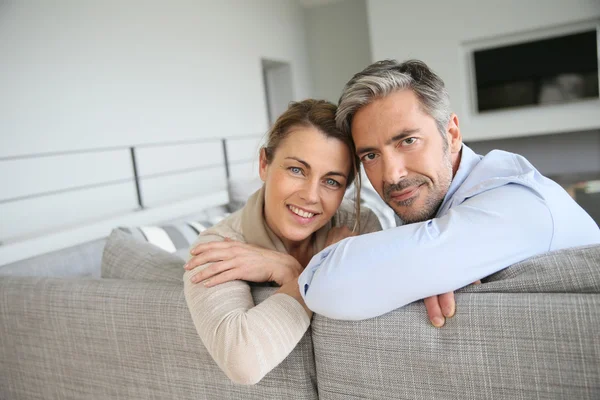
{"x":453,"y":134}
{"x":263,"y":164}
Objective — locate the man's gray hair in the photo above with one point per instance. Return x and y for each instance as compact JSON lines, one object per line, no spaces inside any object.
{"x":388,"y":76}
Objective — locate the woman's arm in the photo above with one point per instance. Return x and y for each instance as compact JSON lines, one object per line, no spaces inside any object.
{"x":246,"y":340}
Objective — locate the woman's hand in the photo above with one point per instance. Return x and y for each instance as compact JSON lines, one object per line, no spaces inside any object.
{"x":233,"y":260}
{"x":338,"y":233}
{"x":292,"y":289}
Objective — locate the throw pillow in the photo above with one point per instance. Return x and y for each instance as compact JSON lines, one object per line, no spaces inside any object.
{"x":125,"y":257}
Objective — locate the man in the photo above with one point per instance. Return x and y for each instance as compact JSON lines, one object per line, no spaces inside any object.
{"x":461,"y":216}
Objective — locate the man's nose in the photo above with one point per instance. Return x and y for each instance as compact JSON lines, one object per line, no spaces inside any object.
{"x":394,"y":169}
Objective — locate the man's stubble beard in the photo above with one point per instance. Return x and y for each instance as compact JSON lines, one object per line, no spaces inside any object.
{"x":432,"y":202}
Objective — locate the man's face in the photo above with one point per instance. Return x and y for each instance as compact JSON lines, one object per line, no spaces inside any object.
{"x":407,"y":160}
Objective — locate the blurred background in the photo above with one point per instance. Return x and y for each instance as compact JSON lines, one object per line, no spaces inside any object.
{"x":87,"y":85}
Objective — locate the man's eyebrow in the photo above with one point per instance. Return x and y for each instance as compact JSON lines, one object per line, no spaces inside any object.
{"x":400,"y":136}
{"x":307,"y":165}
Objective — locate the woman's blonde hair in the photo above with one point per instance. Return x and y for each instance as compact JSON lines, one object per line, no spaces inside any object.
{"x":318,"y":114}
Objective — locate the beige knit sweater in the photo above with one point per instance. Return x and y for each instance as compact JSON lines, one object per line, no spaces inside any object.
{"x":247,"y":340}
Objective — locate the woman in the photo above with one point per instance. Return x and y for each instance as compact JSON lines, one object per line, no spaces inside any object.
{"x":306,"y":166}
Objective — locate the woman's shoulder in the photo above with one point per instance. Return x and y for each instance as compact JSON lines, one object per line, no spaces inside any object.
{"x":229,"y":227}
{"x":346,"y":215}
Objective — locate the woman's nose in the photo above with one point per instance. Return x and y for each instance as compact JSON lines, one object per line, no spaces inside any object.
{"x":310,"y":191}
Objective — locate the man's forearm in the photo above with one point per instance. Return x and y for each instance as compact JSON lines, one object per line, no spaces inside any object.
{"x":370,"y":275}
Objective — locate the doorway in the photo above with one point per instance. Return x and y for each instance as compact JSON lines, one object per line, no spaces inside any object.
{"x":279,"y":91}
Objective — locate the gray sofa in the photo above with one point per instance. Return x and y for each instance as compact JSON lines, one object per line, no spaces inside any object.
{"x":530,"y":331}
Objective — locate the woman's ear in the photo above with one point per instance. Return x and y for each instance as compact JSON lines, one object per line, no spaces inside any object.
{"x":263,"y":165}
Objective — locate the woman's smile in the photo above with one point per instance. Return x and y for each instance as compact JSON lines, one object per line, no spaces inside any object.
{"x":301,"y":215}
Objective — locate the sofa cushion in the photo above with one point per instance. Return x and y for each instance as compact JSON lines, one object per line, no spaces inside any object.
{"x":125,"y":257}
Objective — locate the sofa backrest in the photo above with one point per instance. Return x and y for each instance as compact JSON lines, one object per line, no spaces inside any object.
{"x":82,"y":260}
{"x":116,"y":338}
{"x":533,"y":334}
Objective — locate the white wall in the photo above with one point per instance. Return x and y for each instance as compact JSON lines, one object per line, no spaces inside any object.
{"x":338,"y":45}
{"x":575,"y":155}
{"x":440,"y":32}
{"x":94,"y":74}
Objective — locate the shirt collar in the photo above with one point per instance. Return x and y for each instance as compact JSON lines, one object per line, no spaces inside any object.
{"x":468,"y":161}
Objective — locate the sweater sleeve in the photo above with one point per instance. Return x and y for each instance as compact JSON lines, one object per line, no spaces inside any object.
{"x":246,"y":340}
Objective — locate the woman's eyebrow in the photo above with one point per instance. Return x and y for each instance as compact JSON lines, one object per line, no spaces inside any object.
{"x":307,"y":165}
{"x":336,"y":173}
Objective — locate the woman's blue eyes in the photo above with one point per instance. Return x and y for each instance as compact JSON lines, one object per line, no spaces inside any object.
{"x":328,"y":181}
{"x":332,"y":182}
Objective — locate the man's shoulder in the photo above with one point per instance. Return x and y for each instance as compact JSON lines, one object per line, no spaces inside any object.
{"x":499,"y":168}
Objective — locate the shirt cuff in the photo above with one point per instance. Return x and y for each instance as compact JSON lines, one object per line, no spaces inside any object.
{"x":306,"y":277}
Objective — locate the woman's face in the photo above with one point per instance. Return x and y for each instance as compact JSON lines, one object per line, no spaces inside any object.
{"x":304,"y":183}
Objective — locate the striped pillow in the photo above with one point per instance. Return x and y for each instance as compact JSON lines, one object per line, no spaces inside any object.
{"x":172,"y":237}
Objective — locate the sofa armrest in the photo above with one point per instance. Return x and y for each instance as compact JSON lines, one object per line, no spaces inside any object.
{"x":104,"y":338}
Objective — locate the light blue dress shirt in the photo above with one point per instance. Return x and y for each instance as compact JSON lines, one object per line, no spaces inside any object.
{"x":499,"y":210}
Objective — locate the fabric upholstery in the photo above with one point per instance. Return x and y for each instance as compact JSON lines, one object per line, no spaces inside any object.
{"x":120,"y":339}
{"x":125,"y":257}
{"x":529,"y":332}
{"x":575,"y":270}
{"x":525,"y":333}
{"x":498,"y":346}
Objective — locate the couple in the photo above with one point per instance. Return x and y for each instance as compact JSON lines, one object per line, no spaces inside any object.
{"x":461,"y":217}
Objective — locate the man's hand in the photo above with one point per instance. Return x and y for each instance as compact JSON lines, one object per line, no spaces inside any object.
{"x":441,"y":307}
{"x":233,"y":260}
